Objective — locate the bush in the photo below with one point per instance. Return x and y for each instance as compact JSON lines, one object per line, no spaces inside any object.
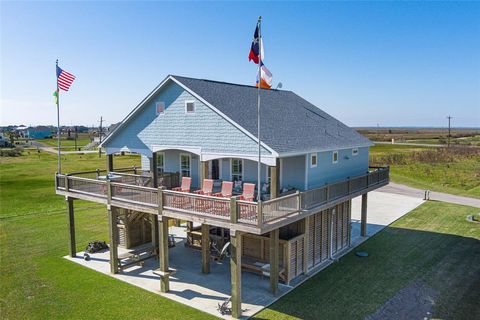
{"x":11,"y":152}
{"x":439,"y":155}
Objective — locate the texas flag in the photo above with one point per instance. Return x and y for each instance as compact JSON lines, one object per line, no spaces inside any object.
{"x":265,"y":78}
{"x":256,"y":50}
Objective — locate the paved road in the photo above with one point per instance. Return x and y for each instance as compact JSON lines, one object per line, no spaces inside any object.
{"x":440,"y":196}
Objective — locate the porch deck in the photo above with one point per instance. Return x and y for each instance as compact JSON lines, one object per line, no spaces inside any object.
{"x":130,"y":192}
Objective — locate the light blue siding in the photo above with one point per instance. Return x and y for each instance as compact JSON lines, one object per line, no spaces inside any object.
{"x":250,"y":171}
{"x":204,"y":129}
{"x":348,"y":165}
{"x":171,"y":163}
{"x":293,"y":172}
{"x":225,"y":169}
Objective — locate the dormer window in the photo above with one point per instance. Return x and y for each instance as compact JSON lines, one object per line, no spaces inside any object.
{"x":313,"y":160}
{"x":189,"y":107}
{"x":160,"y":107}
{"x":335,"y":157}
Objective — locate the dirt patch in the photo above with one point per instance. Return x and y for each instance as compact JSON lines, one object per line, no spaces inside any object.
{"x":415,"y":301}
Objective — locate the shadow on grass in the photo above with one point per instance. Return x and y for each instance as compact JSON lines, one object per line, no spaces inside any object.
{"x":409,"y":274}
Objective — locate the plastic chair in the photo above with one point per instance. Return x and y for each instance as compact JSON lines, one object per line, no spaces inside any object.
{"x":207,"y":188}
{"x":186,"y":184}
{"x":227,"y":189}
{"x":248,"y":192}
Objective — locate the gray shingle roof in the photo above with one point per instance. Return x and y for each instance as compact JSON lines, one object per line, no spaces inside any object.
{"x":289,"y":123}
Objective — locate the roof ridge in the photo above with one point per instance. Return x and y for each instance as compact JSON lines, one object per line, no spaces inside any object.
{"x":228,"y":83}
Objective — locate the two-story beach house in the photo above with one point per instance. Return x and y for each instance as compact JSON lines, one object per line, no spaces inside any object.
{"x":199,"y":149}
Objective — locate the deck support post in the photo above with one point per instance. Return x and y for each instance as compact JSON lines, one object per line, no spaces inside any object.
{"x":112,"y":228}
{"x":71,"y":226}
{"x":155,"y":232}
{"x":363,"y":224}
{"x":274,"y":256}
{"x":163,"y":254}
{"x":154,"y":170}
{"x":205,"y":248}
{"x":109,"y":163}
{"x":236,"y":272}
{"x":306,"y":244}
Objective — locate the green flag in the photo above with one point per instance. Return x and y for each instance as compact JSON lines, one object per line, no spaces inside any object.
{"x":55,"y":94}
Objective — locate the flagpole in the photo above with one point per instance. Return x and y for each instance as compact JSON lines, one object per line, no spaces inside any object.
{"x":259,"y":190}
{"x":58,"y":122}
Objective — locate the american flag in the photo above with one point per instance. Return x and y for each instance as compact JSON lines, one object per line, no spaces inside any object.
{"x":64,"y":79}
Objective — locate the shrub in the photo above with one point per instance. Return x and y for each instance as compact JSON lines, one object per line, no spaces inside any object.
{"x":11,"y":152}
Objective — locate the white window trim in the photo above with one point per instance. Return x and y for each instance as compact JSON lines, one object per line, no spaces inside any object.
{"x":189,"y":163}
{"x":163,"y":154}
{"x":355,"y":153}
{"x":231,"y":168}
{"x":333,"y":156}
{"x":194,"y":107}
{"x":316,"y":160}
{"x":267,"y":173}
{"x":156,"y":108}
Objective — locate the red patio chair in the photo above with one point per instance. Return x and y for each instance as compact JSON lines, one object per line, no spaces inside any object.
{"x":186,"y":184}
{"x":227,"y":189}
{"x":207,"y":188}
{"x":248,"y":192}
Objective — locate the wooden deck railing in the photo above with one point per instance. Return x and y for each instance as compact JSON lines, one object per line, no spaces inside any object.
{"x":227,"y":209}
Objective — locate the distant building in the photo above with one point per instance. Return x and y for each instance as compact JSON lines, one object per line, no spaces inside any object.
{"x":40,"y":132}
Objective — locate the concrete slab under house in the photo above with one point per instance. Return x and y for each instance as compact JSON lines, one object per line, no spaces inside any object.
{"x":199,"y":150}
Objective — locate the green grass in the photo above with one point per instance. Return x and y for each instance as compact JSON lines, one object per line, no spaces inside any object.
{"x":66,"y":145}
{"x":27,"y":182}
{"x":434,"y":244}
{"x":460,"y":176}
{"x":35,"y":281}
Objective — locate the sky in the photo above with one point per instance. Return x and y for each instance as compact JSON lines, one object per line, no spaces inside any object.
{"x":365,"y":63}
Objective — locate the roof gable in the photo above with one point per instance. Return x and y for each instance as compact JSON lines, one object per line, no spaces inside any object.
{"x":289,"y":123}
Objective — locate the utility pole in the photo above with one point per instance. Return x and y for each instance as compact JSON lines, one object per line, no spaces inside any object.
{"x":100,"y":129}
{"x":76,"y":136}
{"x":449,"y":135}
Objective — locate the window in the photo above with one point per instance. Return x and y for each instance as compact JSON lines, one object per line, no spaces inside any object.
{"x":185,"y":165}
{"x":269,"y":174}
{"x":159,"y":107}
{"x":237,"y":169}
{"x":313,"y":160}
{"x":189,"y":107}
{"x":160,"y":162}
{"x":354,"y":151}
{"x":335,"y":157}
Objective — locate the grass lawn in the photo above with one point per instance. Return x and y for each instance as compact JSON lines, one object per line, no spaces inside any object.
{"x":35,"y":281}
{"x":66,"y":145}
{"x":460,"y":176}
{"x":433,"y":245}
{"x":27,"y":183}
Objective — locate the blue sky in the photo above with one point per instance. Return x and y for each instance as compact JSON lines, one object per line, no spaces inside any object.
{"x":369,"y":63}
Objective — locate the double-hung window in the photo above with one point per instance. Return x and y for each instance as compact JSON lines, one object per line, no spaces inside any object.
{"x":237,"y":169}
{"x":313,"y":160}
{"x":161,"y":162}
{"x":185,"y":165}
{"x":335,"y":156}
